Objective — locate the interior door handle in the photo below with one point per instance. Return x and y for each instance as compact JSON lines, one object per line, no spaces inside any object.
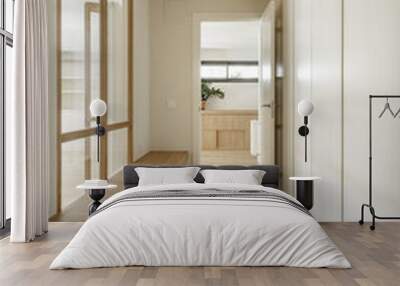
{"x":271,"y":106}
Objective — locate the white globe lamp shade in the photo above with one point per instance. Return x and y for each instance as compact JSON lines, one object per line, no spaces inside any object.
{"x":98,"y":107}
{"x":305,"y":107}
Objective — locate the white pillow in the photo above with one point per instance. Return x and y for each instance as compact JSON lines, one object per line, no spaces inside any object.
{"x":165,"y":176}
{"x":248,"y":177}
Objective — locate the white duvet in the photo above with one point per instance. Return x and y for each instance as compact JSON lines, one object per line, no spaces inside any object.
{"x":202,"y":232}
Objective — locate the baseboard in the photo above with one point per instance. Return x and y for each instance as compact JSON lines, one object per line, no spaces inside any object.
{"x":140,"y":156}
{"x":110,"y":178}
{"x":53,"y":217}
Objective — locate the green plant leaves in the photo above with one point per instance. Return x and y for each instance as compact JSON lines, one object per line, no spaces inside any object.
{"x":208,"y":91}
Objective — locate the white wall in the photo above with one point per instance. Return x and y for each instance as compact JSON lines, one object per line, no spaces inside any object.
{"x":231,"y":54}
{"x":117,"y":21}
{"x":371,"y":66}
{"x":317,"y":62}
{"x":171,"y":65}
{"x":141,"y":78}
{"x":337,"y":69}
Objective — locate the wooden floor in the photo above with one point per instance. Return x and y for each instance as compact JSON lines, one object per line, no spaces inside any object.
{"x":78,"y":210}
{"x":221,"y":157}
{"x":375,"y":257}
{"x":164,"y":158}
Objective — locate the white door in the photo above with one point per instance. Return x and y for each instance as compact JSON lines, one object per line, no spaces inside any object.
{"x":266,"y":102}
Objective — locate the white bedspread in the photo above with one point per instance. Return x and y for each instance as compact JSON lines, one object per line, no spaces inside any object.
{"x":219,"y":232}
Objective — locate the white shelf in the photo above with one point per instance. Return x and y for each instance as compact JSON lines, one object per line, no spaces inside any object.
{"x":304,"y":178}
{"x":95,"y":187}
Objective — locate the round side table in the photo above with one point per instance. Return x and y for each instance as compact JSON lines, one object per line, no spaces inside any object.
{"x":305,"y":190}
{"x":96,"y":193}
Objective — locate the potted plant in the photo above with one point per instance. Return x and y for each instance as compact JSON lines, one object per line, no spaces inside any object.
{"x":208,"y":91}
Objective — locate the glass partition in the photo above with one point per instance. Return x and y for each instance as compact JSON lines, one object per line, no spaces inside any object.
{"x":6,"y":60}
{"x":73,"y":170}
{"x":117,"y":63}
{"x":77,"y":166}
{"x":117,"y":152}
{"x":80,"y":56}
{"x":9,"y":15}
{"x":8,"y":81}
{"x":94,"y":62}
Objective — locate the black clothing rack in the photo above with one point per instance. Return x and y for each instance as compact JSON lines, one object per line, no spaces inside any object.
{"x":370,"y":205}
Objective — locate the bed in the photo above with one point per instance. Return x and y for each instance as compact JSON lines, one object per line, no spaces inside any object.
{"x":201,"y":224}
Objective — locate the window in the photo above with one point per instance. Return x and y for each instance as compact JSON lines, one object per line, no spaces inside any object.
{"x":6,"y":44}
{"x":229,"y":71}
{"x":213,"y":72}
{"x":243,"y":72}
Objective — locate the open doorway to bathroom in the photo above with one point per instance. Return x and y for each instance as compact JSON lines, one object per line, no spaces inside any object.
{"x":238,"y":88}
{"x":229,"y":57}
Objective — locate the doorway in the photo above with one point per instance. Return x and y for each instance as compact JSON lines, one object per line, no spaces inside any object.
{"x":229,"y":53}
{"x":235,"y":102}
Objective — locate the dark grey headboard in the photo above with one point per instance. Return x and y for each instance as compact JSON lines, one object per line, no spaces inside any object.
{"x":271,"y":177}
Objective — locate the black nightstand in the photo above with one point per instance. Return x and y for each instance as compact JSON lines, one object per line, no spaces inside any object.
{"x":96,"y":193}
{"x":305,"y":190}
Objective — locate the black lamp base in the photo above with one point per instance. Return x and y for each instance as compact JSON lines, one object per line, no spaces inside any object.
{"x":100,"y":130}
{"x":305,"y":193}
{"x":304,"y":131}
{"x":96,"y":195}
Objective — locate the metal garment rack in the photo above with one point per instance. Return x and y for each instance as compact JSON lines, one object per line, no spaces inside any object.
{"x":370,"y":205}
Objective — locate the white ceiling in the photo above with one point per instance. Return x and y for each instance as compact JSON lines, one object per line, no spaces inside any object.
{"x":230,"y":35}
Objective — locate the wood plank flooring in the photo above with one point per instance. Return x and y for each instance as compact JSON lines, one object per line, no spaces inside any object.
{"x":165,"y":158}
{"x":222,"y":157}
{"x":375,"y":257}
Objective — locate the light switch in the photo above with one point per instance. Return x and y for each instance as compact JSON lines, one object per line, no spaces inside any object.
{"x":171,"y":103}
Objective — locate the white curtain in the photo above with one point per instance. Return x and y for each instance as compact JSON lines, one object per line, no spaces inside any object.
{"x":28,"y":148}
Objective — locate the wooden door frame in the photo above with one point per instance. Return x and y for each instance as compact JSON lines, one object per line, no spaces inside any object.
{"x":267,"y":86}
{"x":63,"y":137}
